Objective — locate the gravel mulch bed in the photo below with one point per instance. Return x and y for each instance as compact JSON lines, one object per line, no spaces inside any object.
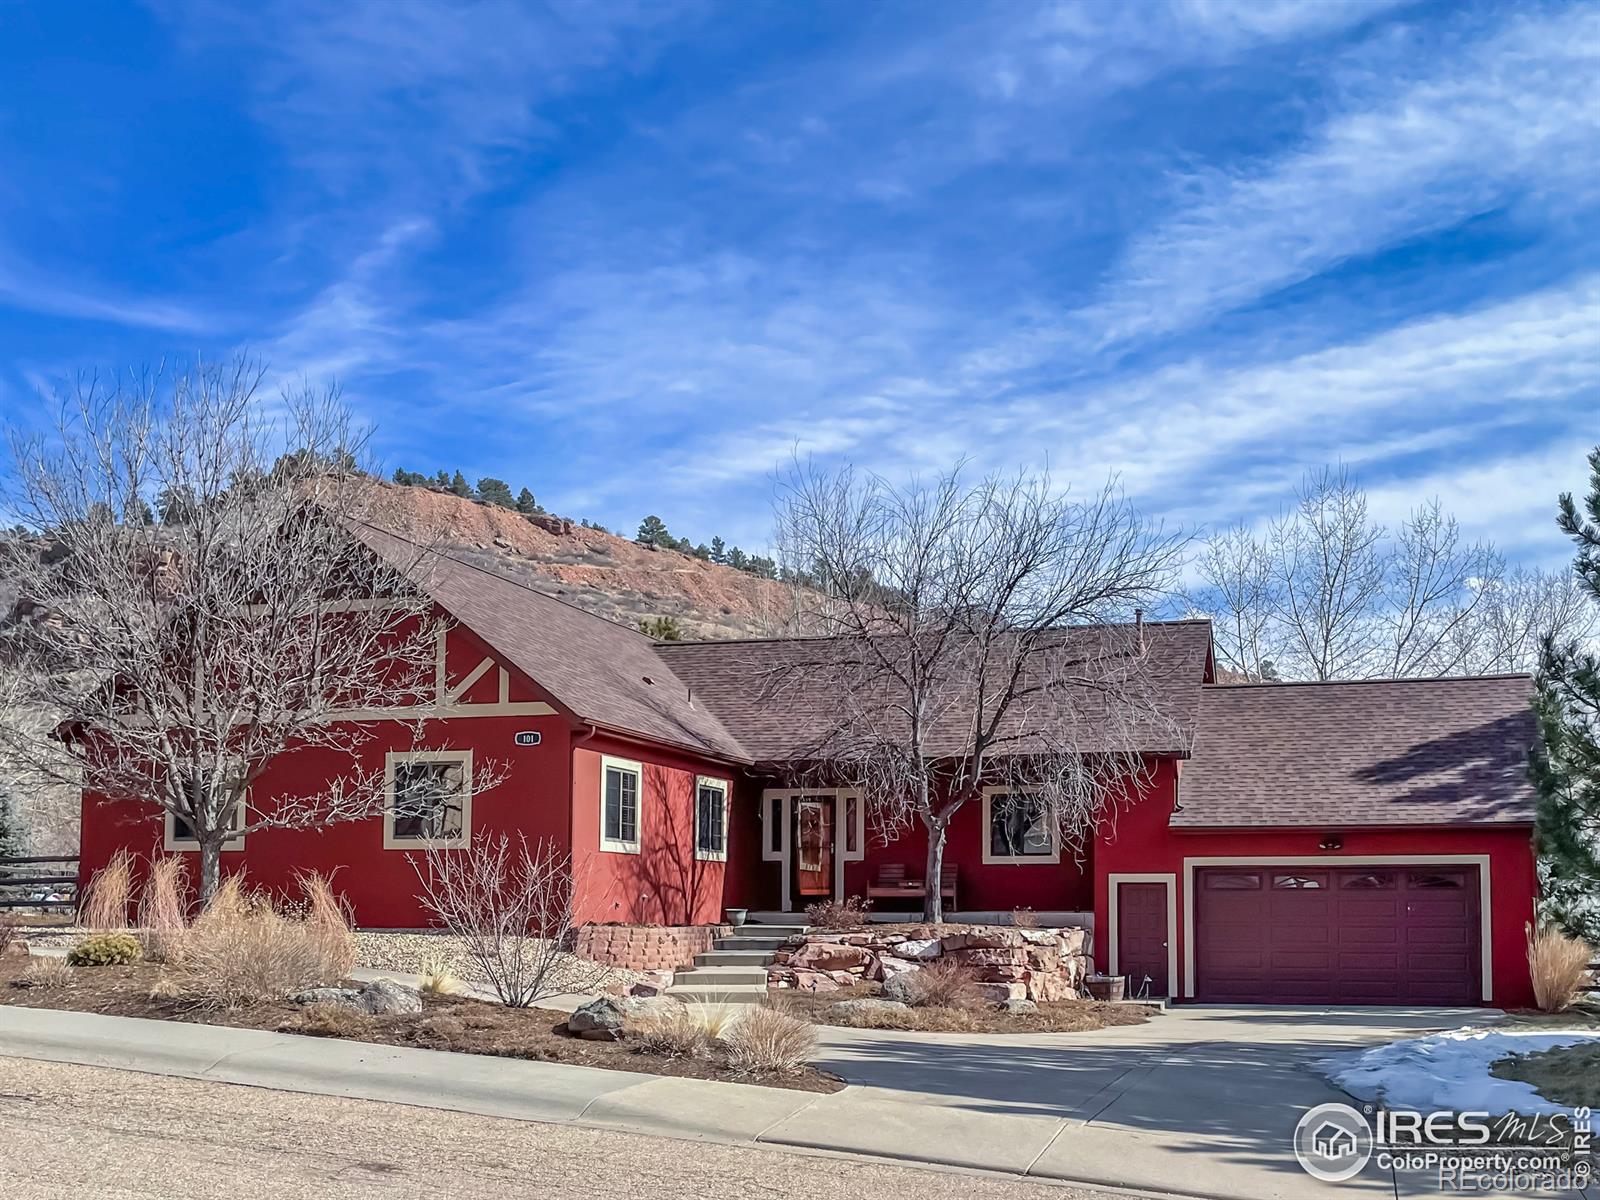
{"x":1059,"y":1016}
{"x":454,"y":1023}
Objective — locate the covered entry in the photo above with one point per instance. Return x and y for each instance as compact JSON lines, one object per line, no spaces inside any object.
{"x":1385,"y":933}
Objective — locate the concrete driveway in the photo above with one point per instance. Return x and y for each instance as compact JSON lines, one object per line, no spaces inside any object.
{"x":1199,"y":1100}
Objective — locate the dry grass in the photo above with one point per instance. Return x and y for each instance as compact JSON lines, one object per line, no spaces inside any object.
{"x":163,"y":904}
{"x":770,"y":1040}
{"x":8,"y":931}
{"x":1024,"y":918}
{"x":328,"y":924}
{"x":942,"y":983}
{"x":49,"y":972}
{"x":674,"y":1032}
{"x":332,"y":1020}
{"x":105,"y":901}
{"x":1568,"y":1075}
{"x":838,"y":914}
{"x":242,"y":951}
{"x":1560,"y":966}
{"x":1053,"y":1016}
{"x":437,"y":979}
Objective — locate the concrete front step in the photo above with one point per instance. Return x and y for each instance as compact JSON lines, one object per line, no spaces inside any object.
{"x":756,"y":945}
{"x":718,"y":976}
{"x":768,"y":930}
{"x":733,"y":958}
{"x":731,"y":995}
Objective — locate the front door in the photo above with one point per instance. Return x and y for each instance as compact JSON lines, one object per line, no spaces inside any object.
{"x":812,"y":871}
{"x":1142,"y":937}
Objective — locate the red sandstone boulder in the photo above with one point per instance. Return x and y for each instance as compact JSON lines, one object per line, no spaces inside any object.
{"x":830,"y":956}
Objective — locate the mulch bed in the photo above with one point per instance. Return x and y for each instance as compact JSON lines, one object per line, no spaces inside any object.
{"x":1059,"y":1016}
{"x":454,"y":1023}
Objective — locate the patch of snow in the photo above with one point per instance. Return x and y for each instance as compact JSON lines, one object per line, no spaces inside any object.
{"x":1449,"y":1070}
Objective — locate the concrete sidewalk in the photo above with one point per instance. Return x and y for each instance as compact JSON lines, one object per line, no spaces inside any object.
{"x":1172,"y":1107}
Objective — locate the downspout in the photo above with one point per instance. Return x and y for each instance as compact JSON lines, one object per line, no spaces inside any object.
{"x":572,"y":783}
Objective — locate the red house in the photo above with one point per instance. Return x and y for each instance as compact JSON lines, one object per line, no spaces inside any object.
{"x":1363,"y":842}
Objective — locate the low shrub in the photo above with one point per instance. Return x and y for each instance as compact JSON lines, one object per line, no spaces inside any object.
{"x":48,"y":972}
{"x":106,"y":950}
{"x":941,"y":983}
{"x":332,"y":1020}
{"x":8,"y":931}
{"x":1559,"y":965}
{"x":766,"y":1040}
{"x":838,"y":914}
{"x":328,"y":924}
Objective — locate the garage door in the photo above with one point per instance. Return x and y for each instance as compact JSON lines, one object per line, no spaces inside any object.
{"x":1346,"y":935}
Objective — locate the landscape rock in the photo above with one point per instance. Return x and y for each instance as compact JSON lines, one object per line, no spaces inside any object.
{"x":831,"y":956}
{"x":919,"y":948}
{"x":345,"y":997}
{"x":865,"y":1007}
{"x":16,"y":948}
{"x":598,"y":1020}
{"x":900,"y":988}
{"x":385,"y":997}
{"x":1018,"y":1006}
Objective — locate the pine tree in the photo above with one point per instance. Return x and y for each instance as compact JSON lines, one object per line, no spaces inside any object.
{"x":175,"y":505}
{"x":661,"y":629}
{"x":719,"y":550}
{"x":496,"y":491}
{"x":1566,"y":762}
{"x":138,"y":512}
{"x":738,"y":559}
{"x":653,"y":532}
{"x":441,"y":479}
{"x":459,"y":485}
{"x":526,"y":504}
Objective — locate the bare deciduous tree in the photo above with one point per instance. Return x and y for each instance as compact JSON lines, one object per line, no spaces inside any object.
{"x":183,"y":656}
{"x":968,"y":646}
{"x":1327,"y":593}
{"x":513,"y":909}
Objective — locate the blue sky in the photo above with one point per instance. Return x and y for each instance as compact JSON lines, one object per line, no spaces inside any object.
{"x":632,"y":255}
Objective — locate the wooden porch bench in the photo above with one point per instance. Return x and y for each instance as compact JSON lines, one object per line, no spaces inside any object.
{"x":891,"y":882}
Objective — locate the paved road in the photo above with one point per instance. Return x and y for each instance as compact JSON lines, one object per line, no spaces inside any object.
{"x":71,"y":1131}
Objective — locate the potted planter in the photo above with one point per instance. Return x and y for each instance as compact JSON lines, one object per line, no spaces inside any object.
{"x":736,"y":916}
{"x":1107,"y":988}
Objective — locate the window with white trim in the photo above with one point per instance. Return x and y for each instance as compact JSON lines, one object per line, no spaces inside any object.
{"x":429,"y":801}
{"x":1017,"y":828}
{"x":711,"y":819}
{"x":620,"y":784}
{"x":178,"y":833}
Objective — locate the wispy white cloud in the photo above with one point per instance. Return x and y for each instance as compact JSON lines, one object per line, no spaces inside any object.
{"x":1512,"y":119}
{"x":32,"y":289}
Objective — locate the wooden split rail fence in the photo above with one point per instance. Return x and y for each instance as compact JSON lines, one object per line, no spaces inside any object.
{"x":36,"y":876}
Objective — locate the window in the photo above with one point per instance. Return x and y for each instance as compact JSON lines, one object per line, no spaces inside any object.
{"x":1368,"y":881}
{"x":1435,"y":879}
{"x":619,"y":805}
{"x":1298,"y":882}
{"x":178,"y":833}
{"x":775,"y":825}
{"x":429,"y":799}
{"x":1017,"y":829}
{"x":1232,"y":883}
{"x":711,"y":819}
{"x":852,"y":824}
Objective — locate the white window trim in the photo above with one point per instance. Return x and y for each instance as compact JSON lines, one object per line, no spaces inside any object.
{"x":396,"y":758}
{"x":617,"y":846}
{"x":1114,"y":882}
{"x":1325,"y":861}
{"x":1014,"y":860}
{"x":721,"y":785}
{"x":172,"y":842}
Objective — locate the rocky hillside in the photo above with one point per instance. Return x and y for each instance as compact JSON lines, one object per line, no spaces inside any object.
{"x":601,"y":572}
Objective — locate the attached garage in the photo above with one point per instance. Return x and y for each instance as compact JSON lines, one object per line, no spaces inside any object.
{"x":1390,"y":933}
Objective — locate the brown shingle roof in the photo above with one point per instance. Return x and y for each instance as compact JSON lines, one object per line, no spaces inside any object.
{"x":780,"y":705}
{"x":1379,"y":752}
{"x":603,"y":672}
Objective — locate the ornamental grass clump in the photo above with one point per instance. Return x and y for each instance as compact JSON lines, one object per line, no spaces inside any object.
{"x":163,"y":903}
{"x":766,"y":1040}
{"x":242,"y":950}
{"x":105,"y":900}
{"x":1559,"y":965}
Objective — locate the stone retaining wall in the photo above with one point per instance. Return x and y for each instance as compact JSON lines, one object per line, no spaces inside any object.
{"x":1007,"y":963}
{"x":645,"y":947}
